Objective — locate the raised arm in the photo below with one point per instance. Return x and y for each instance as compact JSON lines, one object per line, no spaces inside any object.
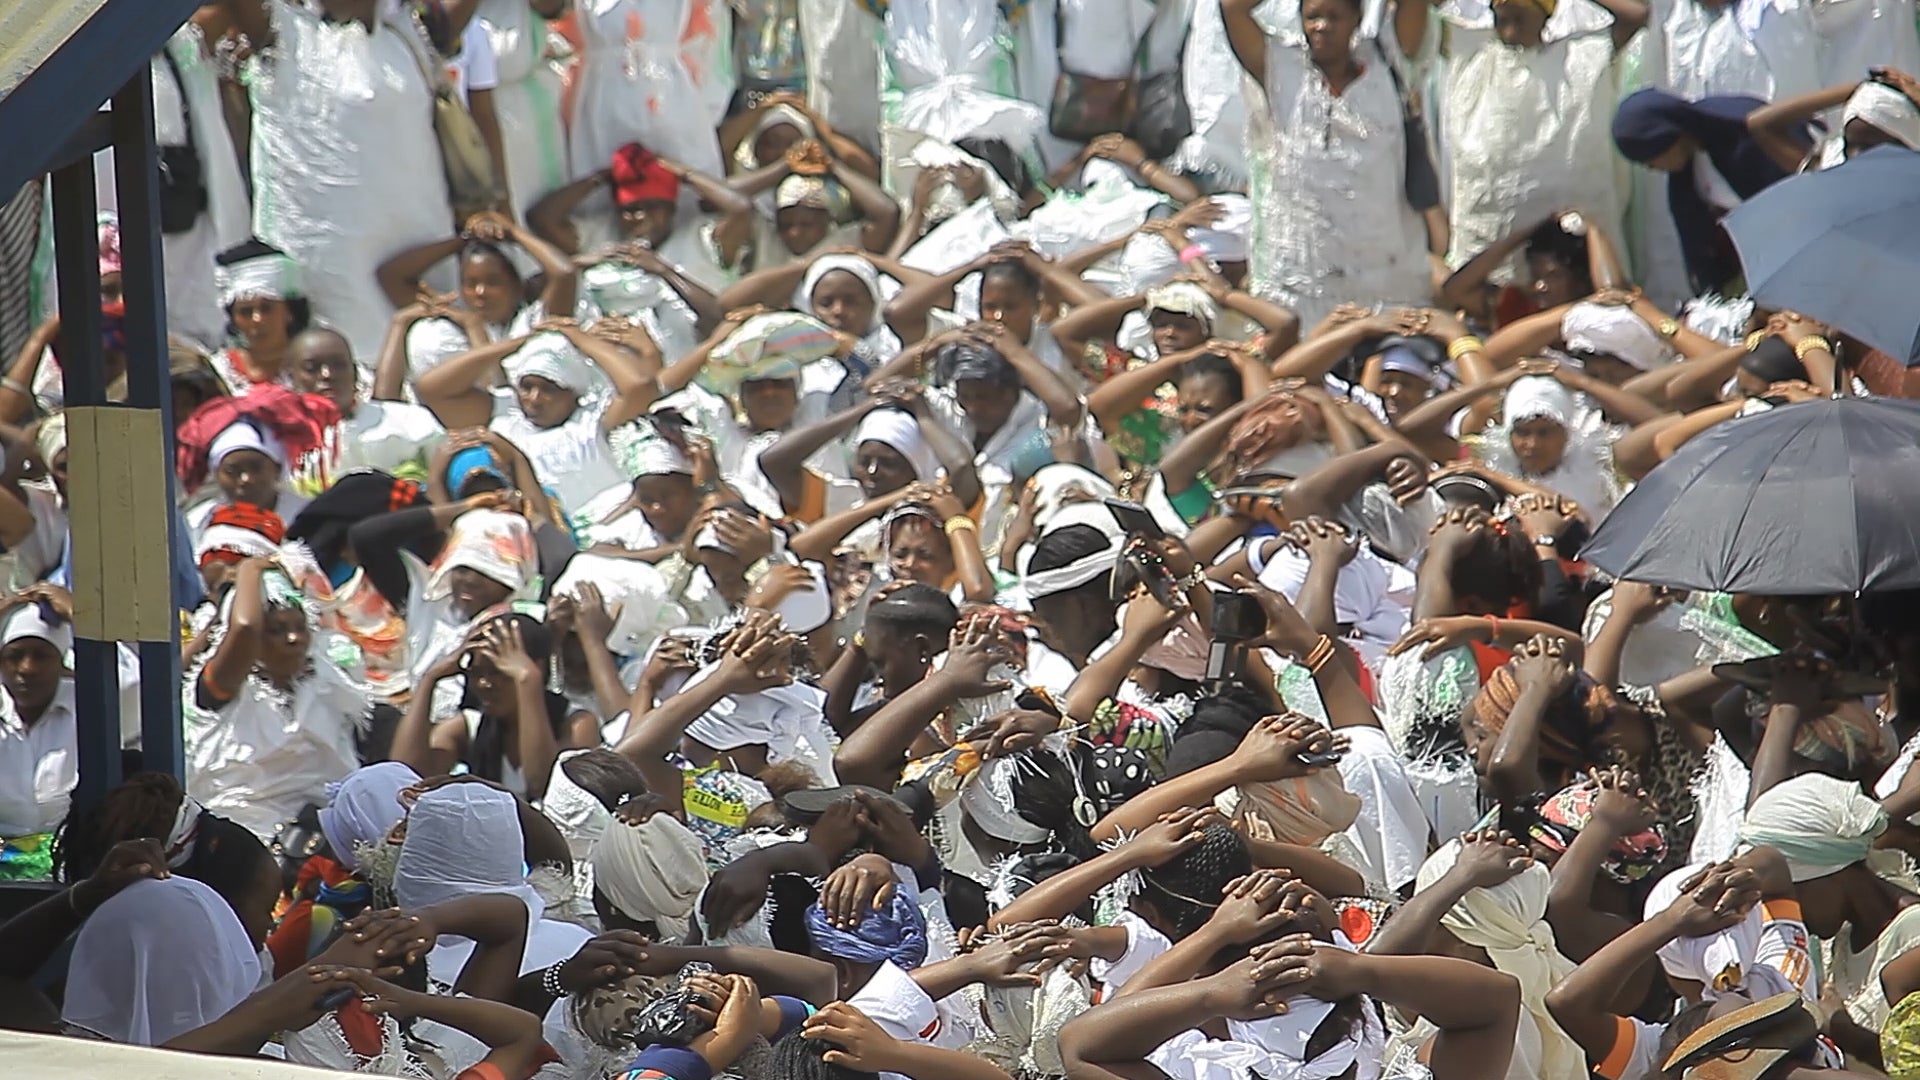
{"x":452,"y":388}
{"x":552,"y":216}
{"x":1780,"y":127}
{"x":1246,"y":38}
{"x":880,"y":211}
{"x":233,"y":659}
{"x":400,"y":276}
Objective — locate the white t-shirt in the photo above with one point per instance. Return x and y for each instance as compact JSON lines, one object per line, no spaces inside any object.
{"x":1144,"y":944}
{"x":572,"y":459}
{"x":903,"y":1010}
{"x":475,"y":67}
{"x":386,"y":435}
{"x":39,"y":765}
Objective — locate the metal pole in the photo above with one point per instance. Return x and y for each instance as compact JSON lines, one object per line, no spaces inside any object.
{"x":136,"y":178}
{"x":77,"y":265}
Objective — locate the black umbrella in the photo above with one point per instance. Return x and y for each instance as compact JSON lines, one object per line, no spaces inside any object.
{"x":1817,"y":498}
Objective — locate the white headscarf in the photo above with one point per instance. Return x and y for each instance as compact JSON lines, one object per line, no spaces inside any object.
{"x":553,"y":358}
{"x":1044,"y":583}
{"x":462,"y":840}
{"x":1185,"y":298}
{"x":1724,"y":962}
{"x":51,"y":438}
{"x":1614,"y":330}
{"x":29,"y":621}
{"x":638,"y":589}
{"x":1226,"y":239}
{"x":1064,"y":484}
{"x":901,"y":431}
{"x":364,"y":808}
{"x":1538,"y":396}
{"x":271,"y":276}
{"x":1509,"y":920}
{"x":243,"y":435}
{"x":496,"y":543}
{"x":1284,"y":1039}
{"x":1822,"y":824}
{"x":651,"y":870}
{"x":157,"y":961}
{"x":640,"y":450}
{"x":1887,"y":109}
{"x":863,"y":271}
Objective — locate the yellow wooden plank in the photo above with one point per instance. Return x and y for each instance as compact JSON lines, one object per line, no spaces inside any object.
{"x":118,"y":508}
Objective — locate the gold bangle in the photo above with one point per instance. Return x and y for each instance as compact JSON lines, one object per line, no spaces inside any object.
{"x":1318,"y":656}
{"x":1667,"y":328}
{"x":1461,"y":346}
{"x":1808,"y":344}
{"x":1754,"y":339}
{"x":960,"y":523}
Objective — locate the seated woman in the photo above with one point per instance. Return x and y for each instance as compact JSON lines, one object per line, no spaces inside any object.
{"x":491,"y":300}
{"x":509,"y":728}
{"x":251,"y":446}
{"x":926,"y":538}
{"x":385,"y":432}
{"x":1015,"y":286}
{"x":759,"y":375}
{"x":555,"y":406}
{"x":265,"y":305}
{"x":272,"y":717}
{"x":892,"y":442}
{"x":1876,"y":111}
{"x":1564,"y":261}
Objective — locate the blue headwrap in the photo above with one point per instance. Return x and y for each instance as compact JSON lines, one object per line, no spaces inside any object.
{"x":474,"y":459}
{"x":897,"y":932}
{"x":1649,"y":121}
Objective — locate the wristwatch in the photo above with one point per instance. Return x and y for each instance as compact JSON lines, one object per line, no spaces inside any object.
{"x":1546,"y":540}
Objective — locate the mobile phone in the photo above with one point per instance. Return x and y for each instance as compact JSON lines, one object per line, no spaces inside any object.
{"x":1136,"y":519}
{"x":1487,"y":820}
{"x":1319,"y":760}
{"x":333,"y":999}
{"x":1237,"y":617}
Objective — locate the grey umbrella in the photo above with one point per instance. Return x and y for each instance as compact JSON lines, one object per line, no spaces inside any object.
{"x":1841,"y":245}
{"x":1818,"y":498}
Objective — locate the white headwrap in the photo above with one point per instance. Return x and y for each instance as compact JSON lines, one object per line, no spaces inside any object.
{"x":1723,"y":962}
{"x":364,"y":808}
{"x":1509,"y":920}
{"x":158,"y":960}
{"x":553,"y":358}
{"x":901,"y":431}
{"x":1887,"y":109}
{"x":242,"y":435}
{"x":1185,"y":298}
{"x":495,"y":543}
{"x":272,"y":276}
{"x":462,"y":840}
{"x":1822,"y":824}
{"x":1614,"y":330}
{"x":788,"y":720}
{"x":651,"y":870}
{"x":51,"y":439}
{"x":29,"y":621}
{"x":987,"y":797}
{"x":1538,"y":396}
{"x":638,"y":589}
{"x":1226,"y":239}
{"x":861,"y":268}
{"x":639,"y":450}
{"x":578,"y":813}
{"x":1045,"y":583}
{"x":772,"y":117}
{"x":1061,"y":485}
{"x":797,"y":190}
{"x":1284,"y":1038}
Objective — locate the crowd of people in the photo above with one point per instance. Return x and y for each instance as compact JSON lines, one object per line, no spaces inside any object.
{"x":969,"y":540}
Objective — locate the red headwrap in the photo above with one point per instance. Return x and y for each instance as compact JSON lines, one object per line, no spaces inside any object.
{"x":252,"y":518}
{"x":639,"y":177}
{"x":302,"y":423}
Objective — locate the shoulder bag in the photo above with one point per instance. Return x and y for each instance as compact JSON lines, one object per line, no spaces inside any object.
{"x":472,"y":185}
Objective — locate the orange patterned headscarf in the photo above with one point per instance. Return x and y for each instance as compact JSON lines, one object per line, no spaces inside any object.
{"x":1570,"y":724}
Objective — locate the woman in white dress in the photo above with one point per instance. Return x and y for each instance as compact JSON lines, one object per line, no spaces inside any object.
{"x":527,"y":101}
{"x":346,"y":166}
{"x":1333,"y":223}
{"x":654,"y":72}
{"x":1527,"y":94}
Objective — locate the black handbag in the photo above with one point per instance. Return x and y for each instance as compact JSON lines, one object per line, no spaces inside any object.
{"x":1423,"y":180}
{"x":183,"y":182}
{"x":1162,"y":117}
{"x":1084,"y":108}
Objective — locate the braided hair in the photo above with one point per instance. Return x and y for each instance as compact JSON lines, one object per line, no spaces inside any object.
{"x":1186,"y":890}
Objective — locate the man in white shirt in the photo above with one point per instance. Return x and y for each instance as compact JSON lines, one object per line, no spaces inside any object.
{"x":39,"y":751}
